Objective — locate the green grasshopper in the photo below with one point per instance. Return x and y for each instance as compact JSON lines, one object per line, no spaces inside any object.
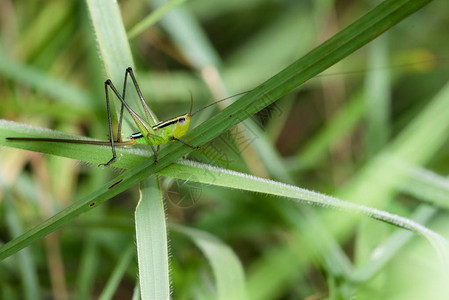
{"x":153,"y":136}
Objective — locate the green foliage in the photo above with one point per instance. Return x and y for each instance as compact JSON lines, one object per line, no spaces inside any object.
{"x":372,"y":142}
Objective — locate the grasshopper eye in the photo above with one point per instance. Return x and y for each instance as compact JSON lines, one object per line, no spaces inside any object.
{"x":182,"y":121}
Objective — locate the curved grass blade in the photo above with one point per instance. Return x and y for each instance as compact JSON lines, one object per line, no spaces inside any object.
{"x":220,"y":177}
{"x":227,"y":269}
{"x":426,"y":185}
{"x":390,"y":247}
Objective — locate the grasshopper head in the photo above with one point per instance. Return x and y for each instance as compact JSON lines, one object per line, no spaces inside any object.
{"x":182,"y":126}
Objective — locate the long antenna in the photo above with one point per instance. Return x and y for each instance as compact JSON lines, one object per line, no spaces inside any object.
{"x":191,"y":102}
{"x":216,"y":102}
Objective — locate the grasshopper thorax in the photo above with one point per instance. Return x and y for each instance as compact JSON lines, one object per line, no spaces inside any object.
{"x":176,"y":127}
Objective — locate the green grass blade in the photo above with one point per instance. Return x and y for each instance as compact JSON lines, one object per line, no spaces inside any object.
{"x":119,"y":271}
{"x":87,"y":153}
{"x":115,"y":51}
{"x":40,"y":81}
{"x":152,"y":246}
{"x":116,"y":56}
{"x":283,"y":261}
{"x":384,"y":253}
{"x":111,"y":39}
{"x":254,"y":59}
{"x":153,"y":18}
{"x":319,"y":145}
{"x":186,"y":32}
{"x":43,"y":28}
{"x":136,"y":292}
{"x":381,"y":18}
{"x":25,"y":263}
{"x":426,"y":185}
{"x":377,"y":120}
{"x":380,"y":179}
{"x":215,"y":176}
{"x":87,"y":266}
{"x":227,"y":269}
{"x":377,"y":98}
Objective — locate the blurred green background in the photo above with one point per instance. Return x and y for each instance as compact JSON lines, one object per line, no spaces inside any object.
{"x":324,"y":135}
